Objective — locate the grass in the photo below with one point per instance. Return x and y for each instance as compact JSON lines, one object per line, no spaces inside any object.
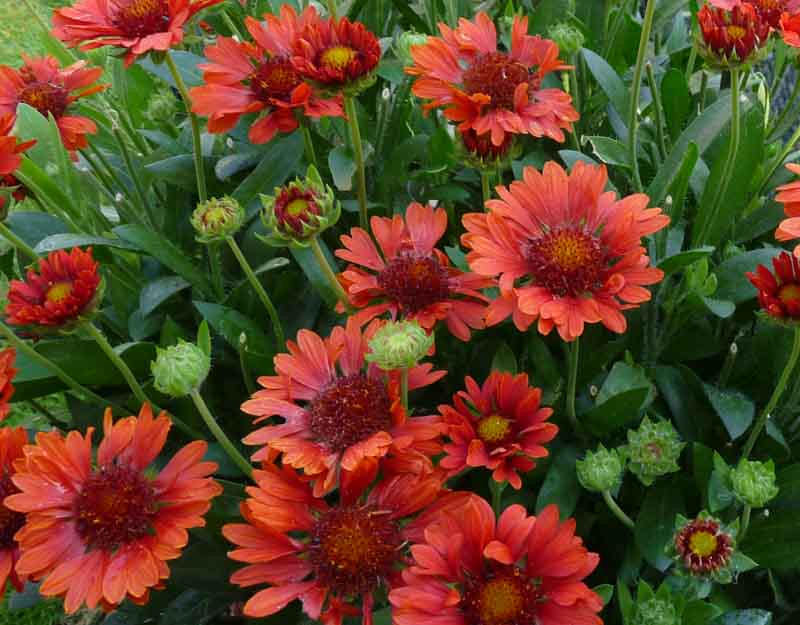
{"x":18,"y":31}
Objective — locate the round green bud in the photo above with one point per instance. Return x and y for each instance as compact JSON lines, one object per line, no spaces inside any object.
{"x":655,"y":612}
{"x":653,"y":450}
{"x":162,"y":106}
{"x":600,"y":470}
{"x":180,"y":369}
{"x":217,"y":218}
{"x":568,"y":39}
{"x":404,"y":42}
{"x":399,"y":345}
{"x":754,"y":482}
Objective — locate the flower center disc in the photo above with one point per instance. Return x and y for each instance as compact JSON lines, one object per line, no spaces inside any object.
{"x":10,"y":520}
{"x":497,"y":75}
{"x":350,"y":410}
{"x":58,"y":292}
{"x":789,"y":294}
{"x":415,"y":281}
{"x":566,"y":262}
{"x":736,"y":32}
{"x":703,"y":544}
{"x":116,"y":507}
{"x":495,"y":429}
{"x":45,"y":98}
{"x":275,"y":79}
{"x":139,"y":18}
{"x":508,"y":597}
{"x":297,"y":207}
{"x":294,"y":207}
{"x":337,"y":57}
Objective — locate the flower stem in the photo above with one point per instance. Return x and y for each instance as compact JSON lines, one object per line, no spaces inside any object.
{"x":618,"y":512}
{"x":358,"y":152}
{"x":12,"y":238}
{"x":636,"y":88}
{"x":277,"y":328}
{"x":404,"y":387}
{"x":745,"y":523}
{"x":452,"y":12}
{"x":123,"y":368}
{"x":215,"y":262}
{"x":197,"y":145}
{"x":331,"y":4}
{"x":328,"y":271}
{"x":308,"y":144}
{"x":572,"y":382}
{"x":147,"y":210}
{"x":486,"y":188}
{"x":658,"y":118}
{"x":219,"y":434}
{"x":497,"y":488}
{"x":776,"y":395}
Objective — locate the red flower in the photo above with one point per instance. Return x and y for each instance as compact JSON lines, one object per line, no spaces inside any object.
{"x":12,"y":441}
{"x":769,"y":11}
{"x":327,"y":556}
{"x":522,"y":570}
{"x":790,"y":29}
{"x":488,"y":90}
{"x":779,"y":294}
{"x":246,"y":77}
{"x":500,"y":426}
{"x":98,"y":533}
{"x":138,"y":26}
{"x":703,"y":546}
{"x":732,"y":34}
{"x":409,"y":276}
{"x":43,"y":84}
{"x":789,"y":196}
{"x":576,"y":247}
{"x":339,"y":414}
{"x":63,"y":289}
{"x":7,"y":373}
{"x":10,"y":158}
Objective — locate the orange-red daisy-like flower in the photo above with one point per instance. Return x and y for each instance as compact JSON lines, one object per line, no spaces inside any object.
{"x":138,"y":26}
{"x":339,"y":413}
{"x":488,"y":90}
{"x":704,"y":546}
{"x":734,"y":34}
{"x":12,"y":441}
{"x":10,"y":159}
{"x":51,"y":89}
{"x":330,"y":557}
{"x":789,"y":196}
{"x":7,"y":373}
{"x":790,"y":29}
{"x":770,"y":11}
{"x":566,"y":251}
{"x":409,"y":277}
{"x":500,"y":426}
{"x":779,"y":293}
{"x":475,"y":570}
{"x":62,"y":289}
{"x":100,"y":532}
{"x":245,"y":77}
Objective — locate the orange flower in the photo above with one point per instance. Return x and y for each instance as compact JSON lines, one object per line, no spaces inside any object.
{"x":488,"y":90}
{"x":63,"y":289}
{"x":789,"y":196}
{"x":98,"y":533}
{"x":43,"y":84}
{"x":12,"y":440}
{"x":7,"y":373}
{"x":339,"y":413}
{"x":770,"y":11}
{"x":566,"y":251}
{"x":732,"y":35}
{"x":138,"y":26}
{"x":518,"y":569}
{"x":409,"y":276}
{"x":790,"y":29}
{"x":779,"y":293}
{"x":247,"y":77}
{"x":500,"y":426}
{"x":327,"y":556}
{"x":10,"y":158}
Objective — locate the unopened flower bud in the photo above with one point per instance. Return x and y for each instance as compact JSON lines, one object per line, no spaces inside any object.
{"x":655,"y":611}
{"x":399,"y":345}
{"x":404,"y":43}
{"x":162,"y":106}
{"x":180,"y":369}
{"x":754,"y":482}
{"x":600,"y":470}
{"x":568,"y":39}
{"x":217,"y":218}
{"x":653,"y":450}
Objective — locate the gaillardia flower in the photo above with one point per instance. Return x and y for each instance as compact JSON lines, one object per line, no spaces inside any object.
{"x":475,"y":570}
{"x":338,"y":412}
{"x":500,"y":426}
{"x":58,"y":294}
{"x":217,"y":219}
{"x":10,"y":158}
{"x":704,"y":547}
{"x":770,"y":11}
{"x":601,"y":470}
{"x":330,"y":557}
{"x":489,"y":90}
{"x":137,"y":26}
{"x":779,"y":292}
{"x":409,"y":277}
{"x":790,"y":29}
{"x":100,"y":532}
{"x":7,"y":373}
{"x":567,"y":252}
{"x":479,"y":152}
{"x":12,"y":441}
{"x":258,"y":77}
{"x":731,"y":38}
{"x":43,"y":84}
{"x":789,"y":195}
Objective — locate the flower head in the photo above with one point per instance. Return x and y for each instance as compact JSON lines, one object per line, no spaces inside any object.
{"x":790,"y":29}
{"x":409,"y":277}
{"x":12,"y":441}
{"x":399,"y":345}
{"x":500,"y":425}
{"x":10,"y":159}
{"x":217,"y":218}
{"x":789,"y":196}
{"x":51,"y":89}
{"x":567,"y":252}
{"x":600,"y":470}
{"x":63,"y":290}
{"x":779,"y":292}
{"x":731,"y":38}
{"x":489,"y":90}
{"x":479,"y":152}
{"x":753,"y":482}
{"x":770,"y":11}
{"x":568,"y":38}
{"x":98,"y":532}
{"x":704,"y":547}
{"x":137,"y":26}
{"x":7,"y":373}
{"x":653,"y":450}
{"x":404,"y":42}
{"x":180,"y":369}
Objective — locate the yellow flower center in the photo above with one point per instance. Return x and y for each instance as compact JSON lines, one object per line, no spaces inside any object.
{"x":494,"y":428}
{"x":142,"y":8}
{"x":703,"y":543}
{"x":789,"y":293}
{"x":501,"y":600}
{"x":736,"y":32}
{"x":58,"y":292}
{"x":297,"y":207}
{"x":338,"y":57}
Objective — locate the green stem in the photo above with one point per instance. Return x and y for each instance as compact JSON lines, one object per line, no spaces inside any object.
{"x":235,"y":30}
{"x":404,"y":387}
{"x":215,"y":262}
{"x":701,"y":100}
{"x":658,"y":118}
{"x":197,"y":144}
{"x":123,"y":368}
{"x":308,"y":144}
{"x":618,"y":512}
{"x":277,"y":328}
{"x":486,"y":188}
{"x":358,"y":152}
{"x":331,"y":4}
{"x":497,"y":488}
{"x":328,"y":271}
{"x":636,"y":87}
{"x":572,"y":382}
{"x":776,"y":395}
{"x":727,"y":366}
{"x":218,"y":433}
{"x":12,"y":238}
{"x":690,"y":64}
{"x":745,"y":523}
{"x":147,"y":210}
{"x":452,"y":12}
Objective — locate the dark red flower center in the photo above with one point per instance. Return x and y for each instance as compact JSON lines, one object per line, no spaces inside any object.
{"x":506,"y":596}
{"x":703,"y":547}
{"x":139,"y":18}
{"x":46,"y":98}
{"x":415,"y":281}
{"x":350,"y":410}
{"x":116,"y":507}
{"x":10,"y":520}
{"x":353,"y":549}
{"x":338,"y":58}
{"x":497,"y":75}
{"x":295,"y":207}
{"x":495,"y":430}
{"x":567,"y":262}
{"x":275,"y":79}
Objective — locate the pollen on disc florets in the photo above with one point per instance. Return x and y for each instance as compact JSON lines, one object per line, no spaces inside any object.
{"x":502,"y":596}
{"x":45,"y":97}
{"x":497,"y":75}
{"x":275,"y":78}
{"x":566,"y":261}
{"x":140,"y":18}
{"x":415,"y":280}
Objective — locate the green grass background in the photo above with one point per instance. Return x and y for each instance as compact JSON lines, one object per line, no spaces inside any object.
{"x":19,"y":32}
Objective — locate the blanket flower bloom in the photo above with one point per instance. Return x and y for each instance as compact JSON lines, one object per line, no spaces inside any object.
{"x":704,"y":546}
{"x":12,"y":441}
{"x":137,"y":26}
{"x":11,"y":150}
{"x":779,"y":292}
{"x":500,"y":425}
{"x":98,"y":533}
{"x":340,"y":413}
{"x":7,"y":373}
{"x":51,"y":89}
{"x":472,"y":569}
{"x":258,"y":77}
{"x":58,"y":294}
{"x":409,"y":277}
{"x":488,"y":90}
{"x":770,"y":11}
{"x":789,"y":196}
{"x":729,"y":38}
{"x":567,"y":252}
{"x":327,"y":556}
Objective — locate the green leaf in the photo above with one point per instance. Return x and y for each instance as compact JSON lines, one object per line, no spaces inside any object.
{"x":741,"y":563}
{"x":67,"y":241}
{"x":676,"y":100}
{"x":610,"y":151}
{"x":676,"y":262}
{"x":618,"y":411}
{"x":504,"y":359}
{"x":232,"y":164}
{"x":734,"y":408}
{"x":204,"y":338}
{"x":698,"y":612}
{"x":720,"y":495}
{"x":343,"y":167}
{"x":561,"y":485}
{"x":609,"y":81}
{"x":605,"y":591}
{"x":308,"y":263}
{"x":744,"y":617}
{"x":33,"y":227}
{"x":732,"y":284}
{"x":158,"y":291}
{"x":719,"y":307}
{"x":656,"y":522}
{"x":231,"y":324}
{"x":186,"y":62}
{"x":625,"y":601}
{"x":280,"y":160}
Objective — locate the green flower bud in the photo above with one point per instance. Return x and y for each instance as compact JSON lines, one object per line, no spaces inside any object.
{"x":162,"y":106}
{"x":399,"y":345}
{"x":403,"y":43}
{"x":754,"y":482}
{"x":653,"y":450}
{"x":655,"y":612}
{"x":217,"y":218}
{"x":180,"y":369}
{"x":600,"y":470}
{"x":568,"y":39}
